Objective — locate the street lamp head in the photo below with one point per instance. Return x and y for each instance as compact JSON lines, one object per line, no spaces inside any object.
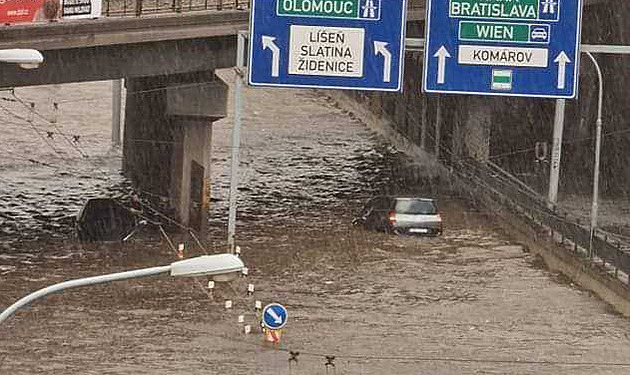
{"x":222,"y":267}
{"x":25,"y":58}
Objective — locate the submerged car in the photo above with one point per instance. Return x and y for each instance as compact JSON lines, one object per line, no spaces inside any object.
{"x":104,"y":220}
{"x":401,"y":215}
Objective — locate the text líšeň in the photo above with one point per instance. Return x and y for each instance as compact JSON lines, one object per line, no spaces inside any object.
{"x":324,"y":51}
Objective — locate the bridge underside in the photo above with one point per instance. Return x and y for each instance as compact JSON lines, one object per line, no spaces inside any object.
{"x":124,"y":61}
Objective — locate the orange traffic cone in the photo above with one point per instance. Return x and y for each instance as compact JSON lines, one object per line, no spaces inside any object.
{"x":273,"y":335}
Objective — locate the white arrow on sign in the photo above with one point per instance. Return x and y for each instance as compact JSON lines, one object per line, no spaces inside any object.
{"x":442,"y":54}
{"x":277,"y":319}
{"x":267,"y":42}
{"x":562,"y":60}
{"x":379,"y":48}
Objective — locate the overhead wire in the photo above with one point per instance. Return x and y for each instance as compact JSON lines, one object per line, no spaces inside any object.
{"x":65,"y":135}
{"x":506,"y":154}
{"x":140,"y":92}
{"x":31,"y":160}
{"x":49,"y":133}
{"x":34,"y":128}
{"x":31,"y":107}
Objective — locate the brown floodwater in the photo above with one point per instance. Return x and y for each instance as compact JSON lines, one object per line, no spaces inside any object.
{"x":469,"y":302}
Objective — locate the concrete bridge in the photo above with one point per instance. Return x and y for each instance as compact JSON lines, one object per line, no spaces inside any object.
{"x":173,"y":96}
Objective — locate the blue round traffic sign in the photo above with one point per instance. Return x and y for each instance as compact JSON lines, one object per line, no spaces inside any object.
{"x":274,"y":316}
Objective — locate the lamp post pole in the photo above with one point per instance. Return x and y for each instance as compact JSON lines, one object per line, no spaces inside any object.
{"x":81,"y":282}
{"x":598,"y":143}
{"x":220,"y":266}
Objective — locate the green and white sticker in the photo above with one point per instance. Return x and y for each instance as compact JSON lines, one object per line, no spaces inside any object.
{"x":501,"y":79}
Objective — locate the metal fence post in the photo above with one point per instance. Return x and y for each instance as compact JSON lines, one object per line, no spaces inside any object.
{"x":138,"y":8}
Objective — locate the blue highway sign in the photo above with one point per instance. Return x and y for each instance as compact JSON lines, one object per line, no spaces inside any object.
{"x":503,"y":47}
{"x":337,"y":44}
{"x":274,"y":316}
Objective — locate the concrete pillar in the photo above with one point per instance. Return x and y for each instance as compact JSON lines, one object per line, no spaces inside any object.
{"x":190,"y":185}
{"x":471,"y":128}
{"x":476,"y":132}
{"x":457,"y":138}
{"x":167,"y":146}
{"x":149,"y":139}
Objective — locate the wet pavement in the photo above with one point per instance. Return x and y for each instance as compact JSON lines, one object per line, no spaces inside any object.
{"x":469,"y":302}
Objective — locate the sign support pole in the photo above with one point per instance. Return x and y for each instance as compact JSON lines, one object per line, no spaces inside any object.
{"x":556,"y":153}
{"x":238,"y":87}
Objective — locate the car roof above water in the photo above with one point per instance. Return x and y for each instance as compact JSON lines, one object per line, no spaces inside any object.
{"x":405,"y":197}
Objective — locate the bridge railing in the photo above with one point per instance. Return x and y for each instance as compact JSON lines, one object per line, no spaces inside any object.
{"x":508,"y":192}
{"x":137,"y":8}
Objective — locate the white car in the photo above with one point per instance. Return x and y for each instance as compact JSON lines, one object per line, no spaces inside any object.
{"x":401,"y":215}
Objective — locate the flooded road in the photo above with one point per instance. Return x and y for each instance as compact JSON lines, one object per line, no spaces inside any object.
{"x":53,"y":159}
{"x":469,"y":302}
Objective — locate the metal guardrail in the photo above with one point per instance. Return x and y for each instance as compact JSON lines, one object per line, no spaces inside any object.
{"x":534,"y":208}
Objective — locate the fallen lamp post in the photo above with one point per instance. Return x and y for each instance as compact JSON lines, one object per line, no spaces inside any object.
{"x":222,"y":267}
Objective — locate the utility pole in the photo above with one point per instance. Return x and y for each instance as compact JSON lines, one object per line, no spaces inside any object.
{"x":556,"y":153}
{"x":238,"y":88}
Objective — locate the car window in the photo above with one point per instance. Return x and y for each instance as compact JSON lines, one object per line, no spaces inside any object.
{"x":415,"y":206}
